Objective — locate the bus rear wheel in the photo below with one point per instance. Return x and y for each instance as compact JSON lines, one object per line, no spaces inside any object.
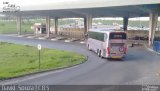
{"x":99,"y":53}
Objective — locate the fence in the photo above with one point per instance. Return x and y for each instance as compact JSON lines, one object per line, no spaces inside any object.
{"x":156,"y":46}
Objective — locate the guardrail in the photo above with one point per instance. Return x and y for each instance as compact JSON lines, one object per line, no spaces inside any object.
{"x":156,"y":46}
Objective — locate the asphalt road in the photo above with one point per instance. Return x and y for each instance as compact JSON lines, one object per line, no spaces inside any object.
{"x":139,"y":66}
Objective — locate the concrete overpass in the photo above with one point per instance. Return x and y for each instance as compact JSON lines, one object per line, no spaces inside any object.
{"x":89,"y":9}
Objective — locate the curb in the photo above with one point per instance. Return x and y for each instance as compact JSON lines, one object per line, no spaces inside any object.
{"x":43,"y":71}
{"x":151,"y":50}
{"x":42,"y":38}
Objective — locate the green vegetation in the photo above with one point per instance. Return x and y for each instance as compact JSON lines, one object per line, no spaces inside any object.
{"x":16,"y":60}
{"x":131,"y":23}
{"x":8,"y":26}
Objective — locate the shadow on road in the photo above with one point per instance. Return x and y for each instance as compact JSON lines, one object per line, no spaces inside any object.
{"x":115,"y":59}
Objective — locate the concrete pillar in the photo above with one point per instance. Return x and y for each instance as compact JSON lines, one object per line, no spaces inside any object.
{"x":87,"y":23}
{"x":152,"y":26}
{"x":18,"y":21}
{"x":56,"y":25}
{"x":125,"y":23}
{"x":48,"y":26}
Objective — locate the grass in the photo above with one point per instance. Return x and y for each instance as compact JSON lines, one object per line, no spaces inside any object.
{"x":6,"y":27}
{"x":10,"y":27}
{"x":16,"y":60}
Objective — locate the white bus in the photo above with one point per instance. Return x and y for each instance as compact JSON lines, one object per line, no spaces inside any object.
{"x":107,"y":43}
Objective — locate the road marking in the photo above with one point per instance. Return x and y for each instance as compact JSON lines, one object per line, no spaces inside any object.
{"x":11,"y":35}
{"x":41,"y":38}
{"x":67,"y":41}
{"x":54,"y":39}
{"x":30,"y":37}
{"x":82,"y":42}
{"x":20,"y":36}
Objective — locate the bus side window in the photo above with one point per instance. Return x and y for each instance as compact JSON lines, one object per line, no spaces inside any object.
{"x":105,"y":37}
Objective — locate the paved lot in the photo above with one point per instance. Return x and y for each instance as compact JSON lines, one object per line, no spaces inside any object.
{"x":139,"y":66}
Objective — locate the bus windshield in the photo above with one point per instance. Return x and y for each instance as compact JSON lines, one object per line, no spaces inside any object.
{"x":118,"y":35}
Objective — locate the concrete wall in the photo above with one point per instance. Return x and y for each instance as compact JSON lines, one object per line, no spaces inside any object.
{"x":72,"y":32}
{"x":79,"y":33}
{"x":141,"y":33}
